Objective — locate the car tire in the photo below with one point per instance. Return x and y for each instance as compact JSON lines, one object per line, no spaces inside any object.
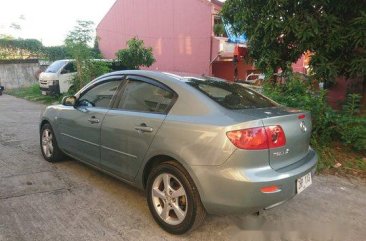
{"x":178,"y":208}
{"x":49,"y":147}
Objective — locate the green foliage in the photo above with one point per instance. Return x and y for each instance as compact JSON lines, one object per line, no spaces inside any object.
{"x":96,"y":50}
{"x":352,"y":126}
{"x":77,"y":44}
{"x":81,"y":34}
{"x":56,"y":53}
{"x":91,"y":70}
{"x":280,"y":31}
{"x":219,"y":29}
{"x":328,"y":125}
{"x":135,"y":55}
{"x":20,"y":48}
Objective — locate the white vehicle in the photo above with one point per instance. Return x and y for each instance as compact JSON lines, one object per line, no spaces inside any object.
{"x":57,"y":77}
{"x":253,"y":78}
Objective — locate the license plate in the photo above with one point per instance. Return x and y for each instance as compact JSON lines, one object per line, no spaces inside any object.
{"x":44,"y":93}
{"x":303,"y":182}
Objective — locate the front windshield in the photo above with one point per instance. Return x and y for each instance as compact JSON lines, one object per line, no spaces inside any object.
{"x":230,"y":95}
{"x":55,"y":66}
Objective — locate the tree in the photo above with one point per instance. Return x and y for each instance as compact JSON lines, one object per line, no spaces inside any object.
{"x":135,"y":55}
{"x":96,"y":49}
{"x":54,"y":53}
{"x":78,"y":40}
{"x":77,"y":44}
{"x":20,"y":48}
{"x":280,"y":31}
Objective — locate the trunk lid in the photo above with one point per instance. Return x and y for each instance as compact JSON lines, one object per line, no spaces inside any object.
{"x":297,"y":127}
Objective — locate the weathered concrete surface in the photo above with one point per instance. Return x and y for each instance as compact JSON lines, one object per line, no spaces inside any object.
{"x":18,"y":73}
{"x":70,"y":201}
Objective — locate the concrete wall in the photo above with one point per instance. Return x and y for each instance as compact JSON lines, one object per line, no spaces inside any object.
{"x":18,"y":73}
{"x":178,"y":31}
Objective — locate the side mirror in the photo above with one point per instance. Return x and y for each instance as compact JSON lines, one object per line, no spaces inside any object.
{"x":69,"y":101}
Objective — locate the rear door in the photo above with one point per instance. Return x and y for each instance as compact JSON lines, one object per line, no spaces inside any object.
{"x":129,"y":128}
{"x":80,"y":126}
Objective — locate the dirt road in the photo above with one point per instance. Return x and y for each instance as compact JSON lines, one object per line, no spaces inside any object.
{"x":70,"y":201}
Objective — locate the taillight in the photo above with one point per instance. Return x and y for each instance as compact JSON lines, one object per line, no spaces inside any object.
{"x":258,"y":138}
{"x":251,"y":139}
{"x":276,"y":136}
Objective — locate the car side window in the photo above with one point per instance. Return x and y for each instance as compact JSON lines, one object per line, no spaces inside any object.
{"x":69,"y":68}
{"x":145,"y":97}
{"x":100,"y":95}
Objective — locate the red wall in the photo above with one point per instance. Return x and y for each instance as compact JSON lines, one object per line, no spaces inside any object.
{"x":337,"y":93}
{"x":178,"y":31}
{"x":299,"y":65}
{"x":225,"y":70}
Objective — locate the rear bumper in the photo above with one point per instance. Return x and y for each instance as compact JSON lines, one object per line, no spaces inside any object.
{"x":233,"y":189}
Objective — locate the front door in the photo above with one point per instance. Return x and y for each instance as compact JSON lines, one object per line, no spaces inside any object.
{"x":67,"y":73}
{"x":129,"y":128}
{"x":80,"y":126}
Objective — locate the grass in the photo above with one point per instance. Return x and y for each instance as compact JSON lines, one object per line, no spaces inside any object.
{"x":341,"y":160}
{"x":33,"y":93}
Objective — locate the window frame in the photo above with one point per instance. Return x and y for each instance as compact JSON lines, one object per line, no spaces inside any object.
{"x":69,"y":64}
{"x":120,"y":78}
{"x":128,"y":78}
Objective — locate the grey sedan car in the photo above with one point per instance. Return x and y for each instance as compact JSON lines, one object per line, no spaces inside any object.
{"x":195,"y":144}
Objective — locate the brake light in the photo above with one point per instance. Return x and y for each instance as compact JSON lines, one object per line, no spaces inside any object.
{"x":276,"y":136}
{"x":302,"y":116}
{"x":258,"y":138}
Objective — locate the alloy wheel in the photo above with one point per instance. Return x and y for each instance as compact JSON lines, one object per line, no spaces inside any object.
{"x":169,"y":199}
{"x":47,"y":144}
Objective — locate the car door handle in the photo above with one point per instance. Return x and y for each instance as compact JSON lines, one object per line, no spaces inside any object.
{"x":144,"y":128}
{"x":93,"y":120}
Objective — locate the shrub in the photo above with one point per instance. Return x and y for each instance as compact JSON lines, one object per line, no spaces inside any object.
{"x":346,"y":125}
{"x":90,"y":70}
{"x":135,"y":55}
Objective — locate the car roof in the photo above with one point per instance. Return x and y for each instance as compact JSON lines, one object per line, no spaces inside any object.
{"x":163,"y":76}
{"x":187,"y":96}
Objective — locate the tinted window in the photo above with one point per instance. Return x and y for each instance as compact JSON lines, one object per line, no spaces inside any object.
{"x":100,"y":95}
{"x":55,"y":66}
{"x":230,"y":95}
{"x":145,"y":97}
{"x":69,"y":68}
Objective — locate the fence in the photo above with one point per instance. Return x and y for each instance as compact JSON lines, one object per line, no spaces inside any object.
{"x":19,"y":72}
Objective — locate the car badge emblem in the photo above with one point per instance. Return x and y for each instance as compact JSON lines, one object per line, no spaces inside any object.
{"x":303,"y":126}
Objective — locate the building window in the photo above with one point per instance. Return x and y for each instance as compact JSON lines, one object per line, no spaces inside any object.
{"x":218,"y":28}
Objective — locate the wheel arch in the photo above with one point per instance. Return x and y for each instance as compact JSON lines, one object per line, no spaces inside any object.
{"x":160,"y":158}
{"x":43,"y":122}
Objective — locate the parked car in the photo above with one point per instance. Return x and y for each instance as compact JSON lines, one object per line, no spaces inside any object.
{"x":196,"y":144}
{"x":57,"y":78}
{"x":253,"y":79}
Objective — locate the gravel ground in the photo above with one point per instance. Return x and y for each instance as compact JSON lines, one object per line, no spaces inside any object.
{"x":71,"y":201}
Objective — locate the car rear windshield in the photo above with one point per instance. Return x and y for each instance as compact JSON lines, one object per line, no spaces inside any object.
{"x":55,"y":66}
{"x":230,"y":95}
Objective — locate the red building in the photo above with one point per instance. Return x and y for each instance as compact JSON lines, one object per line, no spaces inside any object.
{"x":180,"y":33}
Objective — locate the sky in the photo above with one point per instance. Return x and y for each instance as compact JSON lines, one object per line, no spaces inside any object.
{"x":48,"y":20}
